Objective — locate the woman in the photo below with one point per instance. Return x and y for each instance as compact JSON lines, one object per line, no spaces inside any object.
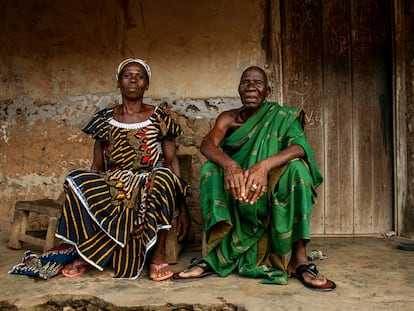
{"x":123,"y":207}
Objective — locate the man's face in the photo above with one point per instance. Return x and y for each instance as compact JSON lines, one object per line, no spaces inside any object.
{"x":133,"y":81}
{"x":253,"y":87}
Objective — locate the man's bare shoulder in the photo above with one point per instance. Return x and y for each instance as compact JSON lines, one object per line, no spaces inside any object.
{"x":229,"y":114}
{"x":228,"y":119}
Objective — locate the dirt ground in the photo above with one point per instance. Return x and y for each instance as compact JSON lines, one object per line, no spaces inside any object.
{"x":371,"y":274}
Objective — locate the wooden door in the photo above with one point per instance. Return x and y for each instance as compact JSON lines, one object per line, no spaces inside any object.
{"x":336,"y":60}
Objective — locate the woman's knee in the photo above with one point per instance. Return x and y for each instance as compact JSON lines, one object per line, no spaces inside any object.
{"x":163,"y":176}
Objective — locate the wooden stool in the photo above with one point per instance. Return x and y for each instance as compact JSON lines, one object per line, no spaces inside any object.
{"x":173,"y":248}
{"x":18,"y":231}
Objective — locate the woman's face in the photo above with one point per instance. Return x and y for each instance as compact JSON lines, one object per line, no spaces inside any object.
{"x":133,"y":81}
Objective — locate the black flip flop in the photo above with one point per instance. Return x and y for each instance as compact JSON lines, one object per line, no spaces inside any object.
{"x":311,"y":268}
{"x":196,"y":263}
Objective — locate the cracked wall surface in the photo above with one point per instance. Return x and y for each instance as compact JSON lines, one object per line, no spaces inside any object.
{"x":57,"y":68}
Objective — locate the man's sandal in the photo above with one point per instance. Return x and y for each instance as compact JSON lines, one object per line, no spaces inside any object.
{"x":406,"y":246}
{"x":311,"y":269}
{"x":195,"y":263}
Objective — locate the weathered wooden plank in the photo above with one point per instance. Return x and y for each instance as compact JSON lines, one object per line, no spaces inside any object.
{"x":372,"y":106}
{"x":47,"y":207}
{"x":32,"y":240}
{"x":337,"y":100}
{"x":302,"y":79}
{"x":18,"y":227}
{"x":276,"y":50}
{"x":400,"y":134}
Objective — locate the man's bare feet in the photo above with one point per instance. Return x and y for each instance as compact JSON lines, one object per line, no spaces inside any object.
{"x":306,"y":272}
{"x":310,"y":277}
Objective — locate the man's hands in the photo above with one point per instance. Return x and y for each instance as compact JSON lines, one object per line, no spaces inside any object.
{"x":234,"y":181}
{"x":248,"y":186}
{"x":256,"y":182}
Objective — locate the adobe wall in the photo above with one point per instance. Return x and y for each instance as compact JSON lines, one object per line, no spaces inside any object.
{"x":57,"y":65}
{"x":58,"y":61}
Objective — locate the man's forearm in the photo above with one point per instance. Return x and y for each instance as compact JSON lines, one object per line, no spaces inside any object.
{"x":284,"y":156}
{"x":217,"y":155}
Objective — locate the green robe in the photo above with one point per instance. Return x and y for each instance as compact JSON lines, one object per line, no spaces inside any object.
{"x":256,"y":240}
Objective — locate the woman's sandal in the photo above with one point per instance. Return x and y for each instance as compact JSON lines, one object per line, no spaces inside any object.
{"x":195,"y":263}
{"x":157,"y":268}
{"x":311,"y":269}
{"x":76,"y":268}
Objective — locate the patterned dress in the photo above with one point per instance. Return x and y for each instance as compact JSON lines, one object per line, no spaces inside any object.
{"x":114,"y":217}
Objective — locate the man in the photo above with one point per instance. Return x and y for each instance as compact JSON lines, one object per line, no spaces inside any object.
{"x":257,"y":189}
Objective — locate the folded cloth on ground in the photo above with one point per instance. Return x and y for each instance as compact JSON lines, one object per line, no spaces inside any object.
{"x":47,"y":265}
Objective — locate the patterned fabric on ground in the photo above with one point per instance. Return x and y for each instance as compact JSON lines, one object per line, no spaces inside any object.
{"x":47,"y":265}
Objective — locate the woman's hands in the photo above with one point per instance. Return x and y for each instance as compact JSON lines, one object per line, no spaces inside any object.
{"x":183,"y":222}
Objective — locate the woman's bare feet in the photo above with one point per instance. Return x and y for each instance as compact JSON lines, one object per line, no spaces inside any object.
{"x":160,"y":272}
{"x":76,"y":268}
{"x":159,"y":268}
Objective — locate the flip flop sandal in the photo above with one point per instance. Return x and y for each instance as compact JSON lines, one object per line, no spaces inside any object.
{"x":406,"y":246}
{"x":79,"y":265}
{"x":311,"y":269}
{"x":196,"y":263}
{"x":158,"y":268}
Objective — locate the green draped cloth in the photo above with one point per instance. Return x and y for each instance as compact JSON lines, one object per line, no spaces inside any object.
{"x":256,"y":239}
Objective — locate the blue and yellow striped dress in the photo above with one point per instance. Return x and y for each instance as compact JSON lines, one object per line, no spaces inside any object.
{"x":112,"y":218}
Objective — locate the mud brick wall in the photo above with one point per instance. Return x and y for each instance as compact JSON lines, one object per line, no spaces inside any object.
{"x":57,"y":68}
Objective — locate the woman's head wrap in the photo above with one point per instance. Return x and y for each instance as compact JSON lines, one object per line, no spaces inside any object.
{"x":128,"y":61}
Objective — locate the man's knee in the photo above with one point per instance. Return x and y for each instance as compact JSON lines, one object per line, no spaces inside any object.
{"x":298,"y":168}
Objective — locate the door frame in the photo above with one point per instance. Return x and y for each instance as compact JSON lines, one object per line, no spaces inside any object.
{"x":400,"y":121}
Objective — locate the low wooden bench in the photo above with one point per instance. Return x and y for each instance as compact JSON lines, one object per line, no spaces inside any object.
{"x":20,"y":234}
{"x":19,"y":230}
